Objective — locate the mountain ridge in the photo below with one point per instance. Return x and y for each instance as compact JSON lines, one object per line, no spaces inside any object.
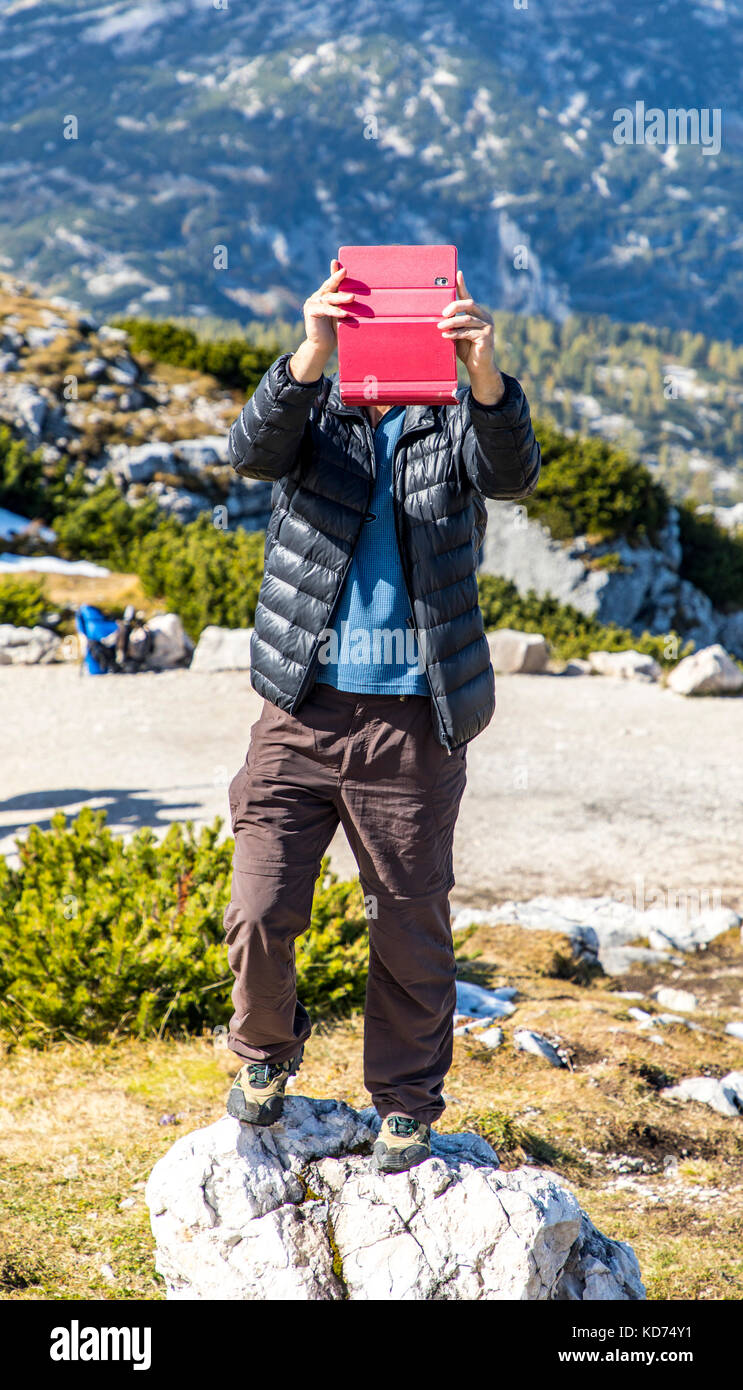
{"x":278,"y":137}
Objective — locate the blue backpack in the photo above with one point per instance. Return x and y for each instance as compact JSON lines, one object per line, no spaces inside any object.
{"x":95,"y":626}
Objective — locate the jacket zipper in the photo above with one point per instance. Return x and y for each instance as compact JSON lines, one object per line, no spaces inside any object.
{"x":336,"y":600}
{"x":411,"y":619}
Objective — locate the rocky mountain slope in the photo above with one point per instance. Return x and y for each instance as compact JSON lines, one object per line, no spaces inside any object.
{"x":152,"y":134}
{"x":70,"y":387}
{"x":636,"y":586}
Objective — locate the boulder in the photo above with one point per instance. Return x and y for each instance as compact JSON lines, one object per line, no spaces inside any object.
{"x":223,"y":649}
{"x":577,"y":667}
{"x":679,"y":999}
{"x":629,"y":665}
{"x":27,"y":646}
{"x":179,"y":502}
{"x":296,"y":1213}
{"x":131,"y":400}
{"x":96,"y":368}
{"x":42,"y":337}
{"x":724,"y":1095}
{"x":475,"y":1002}
{"x":171,"y":645}
{"x":123,"y":370}
{"x":207,"y":451}
{"x":511,"y":651}
{"x":25,"y":407}
{"x":524,"y":1040}
{"x":485,"y":1037}
{"x":139,"y":463}
{"x":707,"y":672}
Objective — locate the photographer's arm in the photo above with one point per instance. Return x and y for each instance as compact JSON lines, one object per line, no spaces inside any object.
{"x":265,"y":438}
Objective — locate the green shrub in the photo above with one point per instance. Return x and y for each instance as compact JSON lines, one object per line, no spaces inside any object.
{"x":569,"y":632}
{"x":31,"y":487}
{"x":587,"y":487}
{"x":712,"y":559}
{"x":103,"y":526}
{"x":204,"y":574}
{"x":233,"y":361}
{"x":101,"y":936}
{"x":22,"y":601}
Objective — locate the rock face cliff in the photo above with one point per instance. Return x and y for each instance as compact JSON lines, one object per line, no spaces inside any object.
{"x":295,"y":1212}
{"x":641,"y":590}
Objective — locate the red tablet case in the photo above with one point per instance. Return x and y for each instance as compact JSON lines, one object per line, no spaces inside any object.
{"x":391,"y":352}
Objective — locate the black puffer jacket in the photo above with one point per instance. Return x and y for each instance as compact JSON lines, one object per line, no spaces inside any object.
{"x":319,"y":453}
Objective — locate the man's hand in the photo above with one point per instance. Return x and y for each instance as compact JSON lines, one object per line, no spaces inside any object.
{"x":321,"y":312}
{"x":471,"y":328}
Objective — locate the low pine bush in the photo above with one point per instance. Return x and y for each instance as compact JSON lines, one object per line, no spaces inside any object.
{"x":102,"y":938}
{"x":22,"y":601}
{"x":103,"y":526}
{"x":233,"y":361}
{"x":587,"y":487}
{"x":203,"y":574}
{"x":712,"y":559}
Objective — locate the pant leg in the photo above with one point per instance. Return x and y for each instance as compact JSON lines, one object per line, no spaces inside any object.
{"x":283,"y":818}
{"x":400,"y":795}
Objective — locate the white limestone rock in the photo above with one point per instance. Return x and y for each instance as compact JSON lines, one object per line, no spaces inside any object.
{"x":707,"y":672}
{"x":295,"y":1212}
{"x":629,"y":665}
{"x":27,"y":646}
{"x":140,"y":462}
{"x":171,"y":644}
{"x":512,"y":651}
{"x":681,"y":999}
{"x":485,"y":1005}
{"x":525,"y":1040}
{"x":724,"y":1095}
{"x":223,"y":649}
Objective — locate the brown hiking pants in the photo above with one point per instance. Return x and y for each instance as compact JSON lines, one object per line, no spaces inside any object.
{"x":373,"y":763}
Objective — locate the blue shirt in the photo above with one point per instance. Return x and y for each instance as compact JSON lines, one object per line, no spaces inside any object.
{"x":372,"y":647}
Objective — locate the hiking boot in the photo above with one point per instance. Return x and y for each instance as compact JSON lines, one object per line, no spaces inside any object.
{"x":257,"y":1095}
{"x":402,"y":1143}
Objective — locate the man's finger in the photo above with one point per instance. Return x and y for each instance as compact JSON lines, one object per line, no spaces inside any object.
{"x":456,"y":306}
{"x":322,"y":308}
{"x":471,"y":333}
{"x":334,"y":279}
{"x":466,"y":321}
{"x":461,"y":286}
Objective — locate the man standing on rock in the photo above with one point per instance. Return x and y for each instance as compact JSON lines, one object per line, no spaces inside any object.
{"x":370,"y":654}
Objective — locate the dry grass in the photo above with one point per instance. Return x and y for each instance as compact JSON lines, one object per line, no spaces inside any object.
{"x":81,"y":1126}
{"x":110,"y":591}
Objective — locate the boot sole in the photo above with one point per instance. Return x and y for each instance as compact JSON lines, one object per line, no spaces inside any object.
{"x":385,"y":1160}
{"x":250,"y":1112}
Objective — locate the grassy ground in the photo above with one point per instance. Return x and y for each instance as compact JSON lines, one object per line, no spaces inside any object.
{"x":81,"y":1126}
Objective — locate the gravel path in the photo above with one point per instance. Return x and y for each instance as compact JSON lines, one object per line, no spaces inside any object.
{"x":586,"y":785}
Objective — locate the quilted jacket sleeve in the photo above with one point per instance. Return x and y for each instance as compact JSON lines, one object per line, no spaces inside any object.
{"x":266,"y":436}
{"x":500,"y":454}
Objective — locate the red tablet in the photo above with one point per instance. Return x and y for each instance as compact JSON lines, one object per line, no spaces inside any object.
{"x":391,"y":351}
